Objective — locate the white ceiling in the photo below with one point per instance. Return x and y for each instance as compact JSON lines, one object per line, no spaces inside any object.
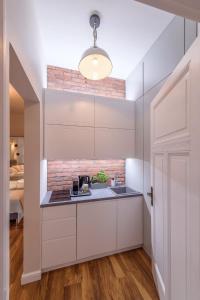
{"x":127,"y":31}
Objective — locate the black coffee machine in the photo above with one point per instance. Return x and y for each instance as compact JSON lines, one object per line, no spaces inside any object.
{"x":83,"y":179}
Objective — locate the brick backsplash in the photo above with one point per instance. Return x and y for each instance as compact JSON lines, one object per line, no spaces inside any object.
{"x":61,"y":173}
{"x":72,"y":80}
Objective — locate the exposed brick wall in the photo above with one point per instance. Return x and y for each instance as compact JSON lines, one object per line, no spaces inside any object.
{"x":61,"y":173}
{"x":71,"y":80}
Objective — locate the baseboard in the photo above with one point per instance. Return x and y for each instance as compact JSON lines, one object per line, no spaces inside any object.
{"x":147,"y":251}
{"x":30,"y":277}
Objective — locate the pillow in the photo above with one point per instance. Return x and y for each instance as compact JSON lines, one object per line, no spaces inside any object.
{"x":20,"y":184}
{"x":13,"y":185}
{"x":19,"y":168}
{"x":13,"y":171}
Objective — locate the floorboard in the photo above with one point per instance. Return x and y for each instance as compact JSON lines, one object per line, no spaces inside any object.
{"x":124,"y":276}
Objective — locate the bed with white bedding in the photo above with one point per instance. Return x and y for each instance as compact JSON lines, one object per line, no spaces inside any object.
{"x":16,"y":199}
{"x":16,"y":172}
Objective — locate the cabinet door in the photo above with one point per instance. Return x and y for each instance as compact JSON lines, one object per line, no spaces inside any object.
{"x":68,"y":108}
{"x":96,"y":228}
{"x":190,"y":33}
{"x":114,"y":113}
{"x":114,"y":143}
{"x":165,"y":54}
{"x":130,"y":222}
{"x":69,"y":142}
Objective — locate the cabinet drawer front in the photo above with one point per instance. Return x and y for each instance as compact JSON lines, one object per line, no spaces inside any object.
{"x":58,"y":252}
{"x":55,"y":229}
{"x":59,"y":212}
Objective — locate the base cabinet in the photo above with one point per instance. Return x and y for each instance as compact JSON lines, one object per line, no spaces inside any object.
{"x":96,"y":228}
{"x":129,"y":222}
{"x":75,"y":232}
{"x":58,"y":252}
{"x":58,"y":236}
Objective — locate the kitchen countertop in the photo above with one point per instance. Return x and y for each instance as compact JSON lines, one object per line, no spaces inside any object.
{"x":96,"y":195}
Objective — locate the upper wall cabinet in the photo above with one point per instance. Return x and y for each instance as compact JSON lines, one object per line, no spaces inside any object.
{"x":190,"y":33}
{"x":162,"y":58}
{"x":69,"y":142}
{"x":114,"y":113}
{"x":67,"y":108}
{"x":134,"y":83}
{"x":80,"y":126}
{"x":114,"y":143}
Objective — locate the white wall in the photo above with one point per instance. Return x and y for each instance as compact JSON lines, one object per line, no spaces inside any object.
{"x":3,"y":224}
{"x":16,"y":124}
{"x":22,"y":32}
{"x":24,"y":35}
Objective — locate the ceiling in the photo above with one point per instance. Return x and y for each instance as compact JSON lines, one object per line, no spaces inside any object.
{"x":127,"y":31}
{"x":16,"y":102}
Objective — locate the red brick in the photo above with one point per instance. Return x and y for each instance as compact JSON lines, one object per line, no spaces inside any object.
{"x":66,"y":79}
{"x":61,"y":173}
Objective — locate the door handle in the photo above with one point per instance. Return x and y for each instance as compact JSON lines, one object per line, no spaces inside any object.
{"x":150,"y":194}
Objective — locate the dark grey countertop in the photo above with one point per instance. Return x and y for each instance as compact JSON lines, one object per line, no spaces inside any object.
{"x":96,"y":195}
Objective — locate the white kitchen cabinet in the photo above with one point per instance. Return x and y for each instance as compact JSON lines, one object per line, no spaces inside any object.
{"x":190,"y":33}
{"x":80,"y":126}
{"x":68,"y":108}
{"x":58,"y":228}
{"x":58,"y":212}
{"x":58,"y":252}
{"x":114,"y":143}
{"x":165,"y":54}
{"x":129,"y":222}
{"x":114,"y":113}
{"x":58,"y":236}
{"x":69,"y":142}
{"x":96,"y":228}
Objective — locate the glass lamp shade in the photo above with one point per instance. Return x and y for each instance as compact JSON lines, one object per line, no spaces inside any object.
{"x":95,"y":64}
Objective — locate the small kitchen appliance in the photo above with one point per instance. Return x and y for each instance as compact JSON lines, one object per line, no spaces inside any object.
{"x":75,"y":188}
{"x":83,"y":180}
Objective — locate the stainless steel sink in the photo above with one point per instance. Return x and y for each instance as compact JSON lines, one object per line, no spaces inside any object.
{"x":119,"y":190}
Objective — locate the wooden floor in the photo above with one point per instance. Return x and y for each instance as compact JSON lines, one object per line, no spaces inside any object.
{"x":125,"y":276}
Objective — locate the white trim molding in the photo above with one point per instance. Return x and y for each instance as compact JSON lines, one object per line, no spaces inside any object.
{"x":31,"y":277}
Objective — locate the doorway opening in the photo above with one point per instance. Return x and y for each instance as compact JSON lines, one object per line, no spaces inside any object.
{"x":23,"y":203}
{"x":16,"y":184}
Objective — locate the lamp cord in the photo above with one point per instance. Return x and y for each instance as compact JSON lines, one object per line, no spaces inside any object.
{"x":95,"y":34}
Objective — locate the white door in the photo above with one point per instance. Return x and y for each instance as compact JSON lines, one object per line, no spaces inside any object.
{"x":175,"y":148}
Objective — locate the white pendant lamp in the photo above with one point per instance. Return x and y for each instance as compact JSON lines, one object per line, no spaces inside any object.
{"x":95,"y":63}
